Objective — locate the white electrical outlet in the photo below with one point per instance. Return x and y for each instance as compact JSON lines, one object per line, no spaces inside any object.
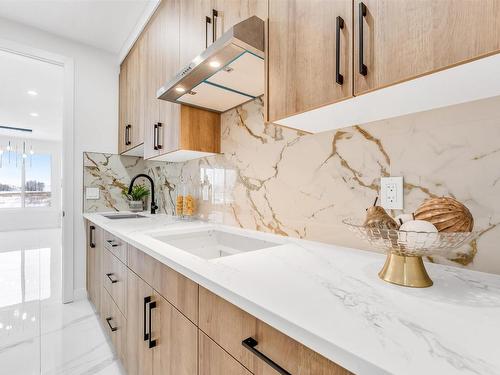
{"x":91,"y":193}
{"x":391,"y":192}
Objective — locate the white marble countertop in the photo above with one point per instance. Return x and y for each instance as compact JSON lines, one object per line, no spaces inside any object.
{"x":330,"y":299}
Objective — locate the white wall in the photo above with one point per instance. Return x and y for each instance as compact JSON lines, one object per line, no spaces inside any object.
{"x":38,"y":217}
{"x":95,"y":111}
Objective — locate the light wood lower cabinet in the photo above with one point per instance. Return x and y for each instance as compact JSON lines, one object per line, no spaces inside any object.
{"x":176,"y":288}
{"x":229,"y":326}
{"x":139,"y":355}
{"x":176,"y":350}
{"x":215,"y":361}
{"x":115,"y":325}
{"x":161,"y":322}
{"x":94,"y":261}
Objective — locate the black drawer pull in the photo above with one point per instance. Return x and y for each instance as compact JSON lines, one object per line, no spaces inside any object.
{"x":155,"y":137}
{"x":152,"y":343}
{"x":158,"y":144}
{"x":363,"y":70}
{"x":113,"y":329}
{"x":339,"y":78}
{"x":91,"y":235}
{"x":110,"y":279}
{"x":250,"y":343}
{"x":112,"y":243}
{"x":146,"y":301}
{"x":207,"y":21}
{"x":215,"y":17}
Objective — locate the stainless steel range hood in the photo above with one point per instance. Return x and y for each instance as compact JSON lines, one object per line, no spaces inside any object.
{"x":228,"y":73}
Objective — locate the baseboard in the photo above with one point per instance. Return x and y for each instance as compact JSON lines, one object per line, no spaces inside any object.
{"x":80,"y":294}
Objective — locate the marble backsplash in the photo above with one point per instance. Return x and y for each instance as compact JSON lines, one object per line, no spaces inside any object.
{"x":279,"y":180}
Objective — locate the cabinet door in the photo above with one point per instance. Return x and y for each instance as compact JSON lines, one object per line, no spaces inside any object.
{"x":195,"y":32}
{"x":169,"y":65}
{"x":122,"y":107}
{"x":150,"y":82}
{"x":176,"y":350}
{"x":94,"y":255}
{"x":139,"y":355}
{"x":230,"y":12}
{"x":302,"y":55}
{"x":213,"y":360}
{"x":404,"y":39}
{"x":134,"y":101}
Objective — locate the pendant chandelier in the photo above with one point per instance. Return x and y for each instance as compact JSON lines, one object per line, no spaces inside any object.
{"x":16,"y":151}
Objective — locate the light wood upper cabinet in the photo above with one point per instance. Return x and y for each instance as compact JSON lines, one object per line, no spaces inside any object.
{"x":230,"y":12}
{"x":131,"y":125}
{"x":302,"y":55}
{"x":404,"y":39}
{"x":195,"y":29}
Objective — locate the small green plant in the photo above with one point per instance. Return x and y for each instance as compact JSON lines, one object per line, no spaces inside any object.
{"x":138,"y":193}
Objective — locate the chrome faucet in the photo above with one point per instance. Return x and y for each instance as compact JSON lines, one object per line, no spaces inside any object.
{"x":154,"y":207}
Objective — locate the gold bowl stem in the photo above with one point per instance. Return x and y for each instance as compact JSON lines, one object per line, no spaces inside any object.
{"x":405,"y":271}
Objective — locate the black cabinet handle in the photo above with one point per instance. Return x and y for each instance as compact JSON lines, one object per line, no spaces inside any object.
{"x":112,"y":243}
{"x":208,"y":20}
{"x":215,"y":17}
{"x":152,"y":343}
{"x":91,"y":235}
{"x":363,"y":70}
{"x":125,"y":141}
{"x":155,"y":137}
{"x":339,"y":78}
{"x":110,"y":279}
{"x":113,"y":329}
{"x":158,"y":128}
{"x":127,"y":135}
{"x":146,"y":301}
{"x":250,"y":343}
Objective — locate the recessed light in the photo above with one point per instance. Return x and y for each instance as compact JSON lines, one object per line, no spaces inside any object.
{"x":214,"y":64}
{"x":32,"y":93}
{"x":180,"y":89}
{"x":34,"y":114}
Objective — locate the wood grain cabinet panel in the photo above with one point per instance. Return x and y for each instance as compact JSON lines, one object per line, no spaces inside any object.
{"x":139,"y":355}
{"x":176,"y":350}
{"x":122,"y":107}
{"x":114,"y":276}
{"x":195,"y":33}
{"x":179,"y":290}
{"x":213,"y":360}
{"x":405,"y":39}
{"x":115,"y":326}
{"x":228,"y":326}
{"x":94,"y":264}
{"x":301,"y":55}
{"x":230,"y":12}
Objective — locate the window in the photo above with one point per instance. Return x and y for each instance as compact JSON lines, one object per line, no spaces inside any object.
{"x":25,"y":183}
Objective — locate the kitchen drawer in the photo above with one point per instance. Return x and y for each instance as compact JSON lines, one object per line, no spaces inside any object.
{"x":213,"y":360}
{"x":115,"y":279}
{"x":229,"y":326}
{"x":117,"y":247}
{"x":115,"y":325}
{"x":171,"y":285}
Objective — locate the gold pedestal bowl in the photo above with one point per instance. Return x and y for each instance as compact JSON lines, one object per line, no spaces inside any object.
{"x":404,"y":264}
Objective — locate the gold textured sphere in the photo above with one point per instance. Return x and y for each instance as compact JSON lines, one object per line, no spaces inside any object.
{"x":446,"y":213}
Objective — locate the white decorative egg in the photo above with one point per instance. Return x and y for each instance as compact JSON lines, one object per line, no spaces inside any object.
{"x":418,"y":226}
{"x":403,"y":218}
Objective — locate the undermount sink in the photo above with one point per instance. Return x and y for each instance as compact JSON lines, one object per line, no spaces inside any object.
{"x":123,"y":216}
{"x":213,"y":243}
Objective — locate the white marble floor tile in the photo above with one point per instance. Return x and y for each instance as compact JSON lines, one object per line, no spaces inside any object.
{"x":38,"y":334}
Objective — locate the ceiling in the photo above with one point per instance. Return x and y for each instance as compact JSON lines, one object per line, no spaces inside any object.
{"x":105,"y":24}
{"x":20,"y":74}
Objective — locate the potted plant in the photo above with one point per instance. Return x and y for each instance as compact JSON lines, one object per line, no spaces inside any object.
{"x":136,"y":197}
